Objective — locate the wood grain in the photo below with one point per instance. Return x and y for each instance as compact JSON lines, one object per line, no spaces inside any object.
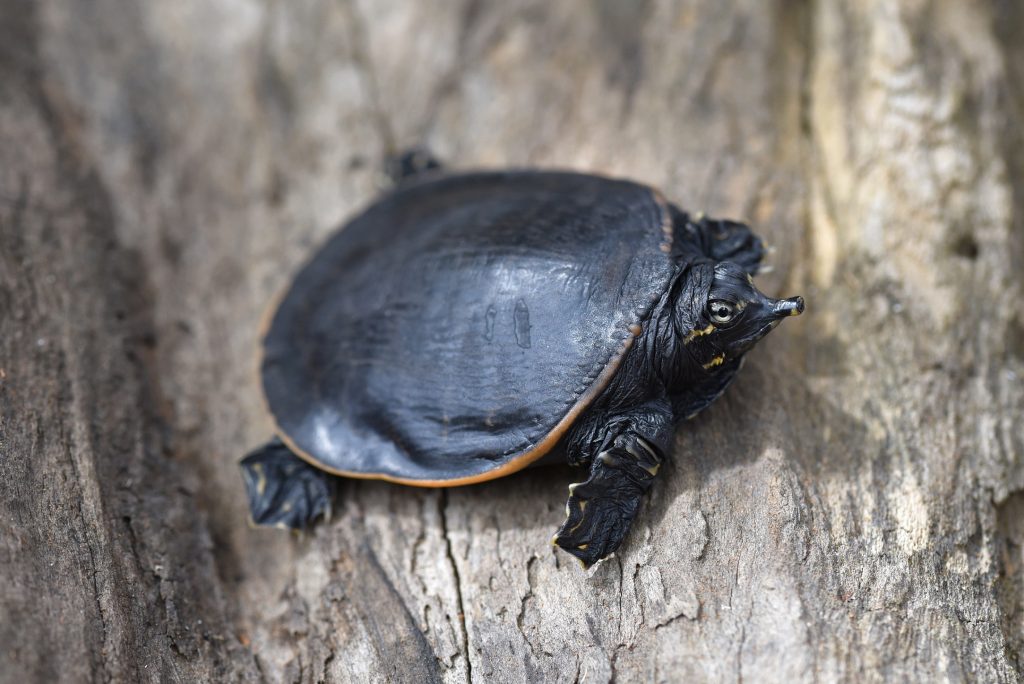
{"x":849,"y":511}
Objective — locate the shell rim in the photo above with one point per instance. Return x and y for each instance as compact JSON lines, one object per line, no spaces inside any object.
{"x":525,"y":458}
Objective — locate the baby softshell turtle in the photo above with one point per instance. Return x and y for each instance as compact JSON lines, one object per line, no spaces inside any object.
{"x":468,"y":325}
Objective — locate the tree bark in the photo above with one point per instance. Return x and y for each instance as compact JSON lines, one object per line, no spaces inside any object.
{"x":851,"y":510}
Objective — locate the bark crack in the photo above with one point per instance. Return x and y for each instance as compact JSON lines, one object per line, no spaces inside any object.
{"x":521,"y":614}
{"x":442,"y":503}
{"x":80,"y":438}
{"x":89,"y":524}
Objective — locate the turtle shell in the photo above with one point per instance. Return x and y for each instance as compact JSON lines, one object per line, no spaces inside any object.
{"x":454,"y":330}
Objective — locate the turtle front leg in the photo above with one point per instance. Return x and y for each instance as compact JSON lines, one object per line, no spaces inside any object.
{"x":601,"y":509}
{"x":721,"y":239}
{"x":284,"y":490}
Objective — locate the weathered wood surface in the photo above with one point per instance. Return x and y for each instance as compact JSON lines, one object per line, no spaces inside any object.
{"x":850,"y":511}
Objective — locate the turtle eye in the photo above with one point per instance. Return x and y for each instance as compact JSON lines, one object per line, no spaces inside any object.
{"x":721,"y":311}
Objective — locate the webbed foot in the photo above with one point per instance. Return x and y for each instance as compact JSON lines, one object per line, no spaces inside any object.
{"x":601,"y":509}
{"x":284,"y":490}
{"x":410,"y":163}
{"x":722,"y":240}
{"x":735,"y":242}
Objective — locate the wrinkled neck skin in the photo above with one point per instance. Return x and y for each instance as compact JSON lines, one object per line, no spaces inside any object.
{"x":677,"y":351}
{"x":690,"y":380}
{"x":667,"y":359}
{"x":663,"y":363}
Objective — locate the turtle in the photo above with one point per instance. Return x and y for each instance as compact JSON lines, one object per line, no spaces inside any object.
{"x":469,"y":324}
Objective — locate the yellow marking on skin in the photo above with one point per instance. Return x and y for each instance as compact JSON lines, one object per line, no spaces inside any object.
{"x":646,"y":447}
{"x":583,"y":547}
{"x":261,"y":483}
{"x":583,"y":507}
{"x":699,"y":333}
{"x":750,"y":279}
{"x":794,"y":312}
{"x":654,"y":470}
{"x":717,"y":361}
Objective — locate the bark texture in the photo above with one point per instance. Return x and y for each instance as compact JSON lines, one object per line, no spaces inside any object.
{"x":851,"y":510}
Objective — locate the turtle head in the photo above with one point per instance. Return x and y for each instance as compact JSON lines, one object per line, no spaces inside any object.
{"x":729,"y":315}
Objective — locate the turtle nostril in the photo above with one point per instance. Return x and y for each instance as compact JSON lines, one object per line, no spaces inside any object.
{"x":794,"y":306}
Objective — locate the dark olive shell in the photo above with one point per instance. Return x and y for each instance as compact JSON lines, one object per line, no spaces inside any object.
{"x":454,"y":330}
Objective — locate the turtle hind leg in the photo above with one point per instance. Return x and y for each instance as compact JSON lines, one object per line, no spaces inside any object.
{"x":284,"y":490}
{"x":410,"y":163}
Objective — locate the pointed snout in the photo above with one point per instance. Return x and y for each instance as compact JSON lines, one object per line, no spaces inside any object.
{"x":794,"y":306}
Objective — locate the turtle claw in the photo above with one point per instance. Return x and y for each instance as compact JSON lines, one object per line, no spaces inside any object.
{"x":596,"y":524}
{"x":285,"y":491}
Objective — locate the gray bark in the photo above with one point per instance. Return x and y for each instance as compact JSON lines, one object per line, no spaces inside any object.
{"x":851,"y":510}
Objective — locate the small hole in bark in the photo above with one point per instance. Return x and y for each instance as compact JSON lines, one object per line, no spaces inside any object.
{"x":966,"y":246}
